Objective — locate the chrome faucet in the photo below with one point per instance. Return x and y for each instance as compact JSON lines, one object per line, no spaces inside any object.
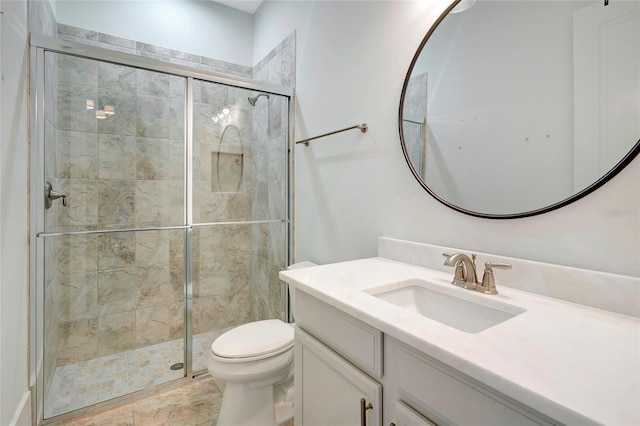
{"x":465,"y":274}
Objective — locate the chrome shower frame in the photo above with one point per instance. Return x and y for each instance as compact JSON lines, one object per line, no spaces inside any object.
{"x":37,"y":235}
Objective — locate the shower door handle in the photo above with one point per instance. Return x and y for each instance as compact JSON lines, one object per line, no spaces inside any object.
{"x":50,"y":195}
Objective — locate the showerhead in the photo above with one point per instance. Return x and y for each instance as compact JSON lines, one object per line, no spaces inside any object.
{"x":253,"y":100}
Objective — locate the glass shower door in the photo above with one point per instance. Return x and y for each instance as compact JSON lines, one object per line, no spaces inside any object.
{"x":240,"y":143}
{"x":114,"y":240}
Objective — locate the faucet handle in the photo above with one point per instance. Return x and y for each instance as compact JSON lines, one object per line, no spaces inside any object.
{"x":497,"y":265}
{"x":488,"y":285}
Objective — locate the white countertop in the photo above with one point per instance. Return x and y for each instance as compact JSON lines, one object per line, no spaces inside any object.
{"x":573,"y":363}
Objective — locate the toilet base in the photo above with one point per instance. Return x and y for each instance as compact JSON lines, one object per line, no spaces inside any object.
{"x":284,"y":401}
{"x":246,"y":405}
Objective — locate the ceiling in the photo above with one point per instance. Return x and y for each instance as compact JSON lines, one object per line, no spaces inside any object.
{"x":249,"y":6}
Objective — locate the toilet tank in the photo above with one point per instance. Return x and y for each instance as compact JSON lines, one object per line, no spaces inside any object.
{"x":292,"y":300}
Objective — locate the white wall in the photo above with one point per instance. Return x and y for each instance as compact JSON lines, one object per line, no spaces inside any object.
{"x":201,"y":27}
{"x":352,"y":58}
{"x":14,"y":282}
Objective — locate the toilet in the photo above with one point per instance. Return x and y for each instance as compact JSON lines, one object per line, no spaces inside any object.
{"x":255,"y":362}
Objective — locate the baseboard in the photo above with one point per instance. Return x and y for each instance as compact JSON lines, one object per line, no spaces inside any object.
{"x":22,"y":416}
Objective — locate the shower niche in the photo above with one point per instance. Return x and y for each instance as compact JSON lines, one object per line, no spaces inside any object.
{"x":227,"y":163}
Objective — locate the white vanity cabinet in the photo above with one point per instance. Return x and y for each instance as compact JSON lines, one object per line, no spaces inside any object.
{"x":427,"y":392}
{"x":340,"y":360}
{"x":331,"y":391}
{"x":336,"y":360}
{"x":403,"y":415}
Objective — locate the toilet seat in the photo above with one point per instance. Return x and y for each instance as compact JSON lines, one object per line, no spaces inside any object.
{"x":253,"y":341}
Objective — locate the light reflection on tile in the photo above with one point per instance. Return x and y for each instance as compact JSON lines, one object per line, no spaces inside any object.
{"x":123,"y":122}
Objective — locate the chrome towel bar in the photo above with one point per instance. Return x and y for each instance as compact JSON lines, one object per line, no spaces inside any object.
{"x":363,"y":128}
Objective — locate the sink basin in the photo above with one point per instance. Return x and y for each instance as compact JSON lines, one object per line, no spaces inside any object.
{"x":471,"y":313}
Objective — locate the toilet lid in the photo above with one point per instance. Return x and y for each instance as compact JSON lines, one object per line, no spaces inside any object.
{"x":253,"y":339}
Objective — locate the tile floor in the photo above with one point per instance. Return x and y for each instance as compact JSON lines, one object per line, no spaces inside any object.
{"x":86,"y":383}
{"x":193,"y":404}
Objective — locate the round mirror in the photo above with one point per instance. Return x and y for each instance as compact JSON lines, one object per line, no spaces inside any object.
{"x":515,"y":108}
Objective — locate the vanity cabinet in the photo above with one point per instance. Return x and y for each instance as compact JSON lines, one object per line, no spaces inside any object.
{"x":338,"y":364}
{"x":340,"y":360}
{"x":403,"y":415}
{"x":351,"y":338}
{"x":426,"y":390}
{"x":330,"y":390}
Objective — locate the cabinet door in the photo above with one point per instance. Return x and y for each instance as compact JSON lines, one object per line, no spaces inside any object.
{"x":329,"y":390}
{"x":446,"y":397}
{"x":407,"y":416}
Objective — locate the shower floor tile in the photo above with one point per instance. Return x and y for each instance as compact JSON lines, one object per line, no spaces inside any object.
{"x":83,"y":384}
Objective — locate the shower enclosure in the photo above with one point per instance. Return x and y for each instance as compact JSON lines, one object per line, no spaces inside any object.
{"x":160,"y":218}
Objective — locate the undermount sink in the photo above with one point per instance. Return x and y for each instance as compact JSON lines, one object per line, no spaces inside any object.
{"x":453,"y":306}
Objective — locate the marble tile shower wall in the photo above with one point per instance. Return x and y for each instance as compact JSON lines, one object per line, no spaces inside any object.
{"x":118,"y":175}
{"x":221,"y":254}
{"x":219,"y":277}
{"x":93,"y":38}
{"x":128,"y":168}
{"x":270,"y":132}
{"x":118,"y":291}
{"x":212,"y":203}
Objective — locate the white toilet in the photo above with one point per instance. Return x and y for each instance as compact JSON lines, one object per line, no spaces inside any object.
{"x":255,"y":362}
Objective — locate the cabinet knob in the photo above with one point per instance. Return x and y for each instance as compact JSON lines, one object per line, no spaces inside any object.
{"x":363,"y":411}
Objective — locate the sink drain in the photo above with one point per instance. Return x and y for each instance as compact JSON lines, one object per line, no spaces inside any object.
{"x":177,"y":366}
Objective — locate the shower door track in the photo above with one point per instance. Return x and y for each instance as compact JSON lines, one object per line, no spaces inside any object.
{"x":158,"y":228}
{"x":41,"y":44}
